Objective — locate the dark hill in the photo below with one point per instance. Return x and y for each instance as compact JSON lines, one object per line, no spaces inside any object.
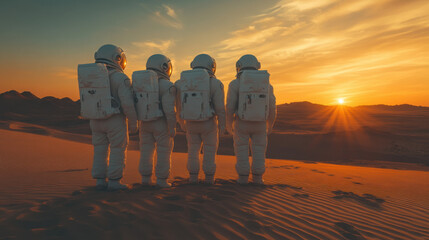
{"x":303,"y":130}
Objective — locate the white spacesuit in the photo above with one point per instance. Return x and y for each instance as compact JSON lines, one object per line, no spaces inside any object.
{"x":204,"y":131}
{"x":160,"y":132}
{"x":245,"y":130}
{"x":113,"y":131}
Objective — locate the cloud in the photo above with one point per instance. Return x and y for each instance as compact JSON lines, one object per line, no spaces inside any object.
{"x":162,"y":46}
{"x":323,"y":48}
{"x":168,"y":17}
{"x":170,"y":11}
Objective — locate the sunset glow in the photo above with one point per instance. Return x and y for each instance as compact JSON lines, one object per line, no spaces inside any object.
{"x":373,"y":52}
{"x":340,"y":101}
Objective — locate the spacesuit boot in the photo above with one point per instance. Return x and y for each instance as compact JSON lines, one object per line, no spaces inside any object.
{"x":257,"y":179}
{"x":193,"y":178}
{"x":101,"y":184}
{"x":162,"y":183}
{"x":209,"y":179}
{"x":146,"y":180}
{"x":114,"y":185}
{"x":243,"y":179}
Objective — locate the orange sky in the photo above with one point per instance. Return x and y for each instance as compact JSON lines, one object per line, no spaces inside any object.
{"x":367,"y":52}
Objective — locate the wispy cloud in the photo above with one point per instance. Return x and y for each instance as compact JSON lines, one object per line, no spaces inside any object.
{"x":332,"y":46}
{"x":162,"y":46}
{"x":168,"y":17}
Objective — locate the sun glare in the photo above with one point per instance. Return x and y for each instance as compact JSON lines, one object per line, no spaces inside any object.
{"x":340,"y":101}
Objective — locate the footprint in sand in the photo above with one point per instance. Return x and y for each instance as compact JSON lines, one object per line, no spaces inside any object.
{"x":357,"y":183}
{"x":366,"y":199}
{"x":317,"y":171}
{"x":348,"y":231}
{"x":303,"y":195}
{"x":287,"y":186}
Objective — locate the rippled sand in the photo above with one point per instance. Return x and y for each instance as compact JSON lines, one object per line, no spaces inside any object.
{"x":47,"y":193}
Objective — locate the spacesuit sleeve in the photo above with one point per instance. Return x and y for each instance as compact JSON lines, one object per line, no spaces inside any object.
{"x":125,"y":93}
{"x":168,"y":100}
{"x":179,"y":106}
{"x":272,"y":114}
{"x":219,"y":104}
{"x":231,"y":104}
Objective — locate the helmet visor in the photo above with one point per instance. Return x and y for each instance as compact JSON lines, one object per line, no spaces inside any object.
{"x":169,"y":70}
{"x":214,"y":67}
{"x":123,"y":61}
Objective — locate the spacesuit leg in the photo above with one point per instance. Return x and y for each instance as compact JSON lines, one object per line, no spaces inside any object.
{"x":259,"y":147}
{"x":101,"y":150}
{"x":118,"y":138}
{"x":210,"y":145}
{"x":164,"y":147}
{"x":147,"y":150}
{"x":241,"y":148}
{"x":194,"y":148}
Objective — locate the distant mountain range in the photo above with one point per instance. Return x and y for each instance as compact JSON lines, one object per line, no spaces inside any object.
{"x":48,"y":111}
{"x":295,"y":116}
{"x":303,"y":130}
{"x":26,"y":102}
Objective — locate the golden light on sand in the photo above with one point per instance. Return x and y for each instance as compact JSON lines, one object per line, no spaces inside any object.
{"x":340,"y":101}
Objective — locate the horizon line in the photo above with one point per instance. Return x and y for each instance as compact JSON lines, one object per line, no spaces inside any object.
{"x":278,"y":104}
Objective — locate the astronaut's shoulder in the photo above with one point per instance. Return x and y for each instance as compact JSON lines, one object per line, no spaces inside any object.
{"x":178,"y":83}
{"x":234,"y":83}
{"x":165,"y":83}
{"x":217,"y":83}
{"x":116,"y":75}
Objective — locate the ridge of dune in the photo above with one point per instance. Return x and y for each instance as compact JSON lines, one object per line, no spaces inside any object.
{"x":300,"y":201}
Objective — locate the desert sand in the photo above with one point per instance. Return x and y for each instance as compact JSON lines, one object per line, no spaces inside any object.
{"x":47,"y":193}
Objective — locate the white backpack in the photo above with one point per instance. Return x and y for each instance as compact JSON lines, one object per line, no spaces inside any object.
{"x":253,"y":99}
{"x":195,"y":95}
{"x":94,"y":89}
{"x":146,"y":90}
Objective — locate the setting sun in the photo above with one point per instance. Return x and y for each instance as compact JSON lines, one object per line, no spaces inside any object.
{"x":340,"y":101}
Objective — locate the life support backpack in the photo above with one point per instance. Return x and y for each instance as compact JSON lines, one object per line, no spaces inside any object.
{"x":94,"y":90}
{"x":146,"y":90}
{"x":253,"y":99}
{"x":195,"y":95}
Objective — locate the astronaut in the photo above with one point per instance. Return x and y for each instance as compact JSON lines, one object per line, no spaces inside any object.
{"x":159,"y":133}
{"x":203,"y":131}
{"x":243,"y":130}
{"x":113,"y":131}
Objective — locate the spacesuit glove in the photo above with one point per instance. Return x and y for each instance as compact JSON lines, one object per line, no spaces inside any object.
{"x":172,"y":132}
{"x":133,"y":126}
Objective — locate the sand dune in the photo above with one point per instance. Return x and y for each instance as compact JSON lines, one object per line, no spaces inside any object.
{"x":48,"y":195}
